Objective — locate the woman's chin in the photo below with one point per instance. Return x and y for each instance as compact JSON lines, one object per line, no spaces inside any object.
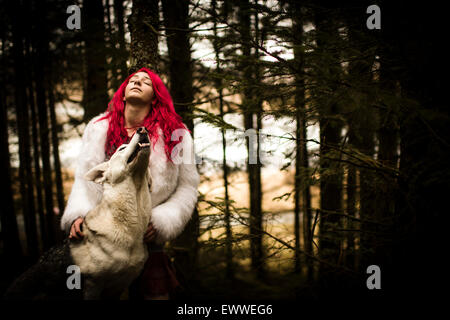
{"x":137,"y":100}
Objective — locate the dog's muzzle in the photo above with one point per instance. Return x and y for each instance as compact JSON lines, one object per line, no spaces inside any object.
{"x":143,"y":143}
{"x":143,"y":138}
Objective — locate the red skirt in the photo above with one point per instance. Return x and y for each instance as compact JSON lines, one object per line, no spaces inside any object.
{"x":158,"y":276}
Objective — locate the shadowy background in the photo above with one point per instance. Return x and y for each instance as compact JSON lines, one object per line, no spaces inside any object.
{"x":356,"y":121}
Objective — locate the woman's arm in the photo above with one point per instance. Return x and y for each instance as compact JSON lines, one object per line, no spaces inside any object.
{"x":85,"y":195}
{"x":170,"y":217}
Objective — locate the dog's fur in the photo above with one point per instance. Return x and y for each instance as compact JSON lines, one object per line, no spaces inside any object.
{"x":112,"y":253}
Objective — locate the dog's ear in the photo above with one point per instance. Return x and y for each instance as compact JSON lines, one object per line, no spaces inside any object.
{"x":97,"y":173}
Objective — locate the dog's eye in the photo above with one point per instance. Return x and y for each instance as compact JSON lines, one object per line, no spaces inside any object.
{"x":121,"y":148}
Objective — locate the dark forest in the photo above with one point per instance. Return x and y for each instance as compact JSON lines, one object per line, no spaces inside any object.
{"x":352,"y":136}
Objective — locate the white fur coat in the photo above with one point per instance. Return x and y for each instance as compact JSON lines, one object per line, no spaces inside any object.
{"x":174,"y":186}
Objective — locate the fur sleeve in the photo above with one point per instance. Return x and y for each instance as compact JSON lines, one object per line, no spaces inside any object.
{"x":171,"y":216}
{"x":85,"y":195}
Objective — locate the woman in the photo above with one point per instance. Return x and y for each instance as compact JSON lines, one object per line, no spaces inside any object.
{"x":141,"y":100}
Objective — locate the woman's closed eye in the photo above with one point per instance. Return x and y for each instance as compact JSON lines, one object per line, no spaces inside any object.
{"x":145,"y":82}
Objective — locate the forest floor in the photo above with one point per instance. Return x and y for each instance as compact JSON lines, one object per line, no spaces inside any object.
{"x":245,"y":286}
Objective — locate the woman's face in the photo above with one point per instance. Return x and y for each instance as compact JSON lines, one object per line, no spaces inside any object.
{"x":139,"y":89}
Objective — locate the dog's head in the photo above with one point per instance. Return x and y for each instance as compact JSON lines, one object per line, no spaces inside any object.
{"x":129,"y":160}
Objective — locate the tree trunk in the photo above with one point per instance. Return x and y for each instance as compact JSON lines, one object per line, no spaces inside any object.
{"x":363,"y":133}
{"x":227,"y":215}
{"x":56,"y":160}
{"x":12,"y":249}
{"x":228,"y":229}
{"x":23,"y":123}
{"x":111,"y":48}
{"x":176,"y":22}
{"x":180,"y":65}
{"x":387,"y":155}
{"x":350,"y":257}
{"x":368,"y":238}
{"x":361,"y":120}
{"x":96,"y":91}
{"x":258,"y":187}
{"x":251,"y":106}
{"x":121,"y":57}
{"x":144,"y":25}
{"x":40,"y":63}
{"x":36,"y":147}
{"x":299,"y":105}
{"x":38,"y":175}
{"x":306,"y":196}
{"x":330,"y":140}
{"x":302,"y":190}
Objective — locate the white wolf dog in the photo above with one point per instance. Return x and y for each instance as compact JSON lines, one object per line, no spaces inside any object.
{"x":112,"y":253}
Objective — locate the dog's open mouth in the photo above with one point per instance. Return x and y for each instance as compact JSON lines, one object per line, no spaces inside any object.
{"x":143,"y":143}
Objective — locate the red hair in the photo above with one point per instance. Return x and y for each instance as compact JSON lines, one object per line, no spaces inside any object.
{"x":162,"y":114}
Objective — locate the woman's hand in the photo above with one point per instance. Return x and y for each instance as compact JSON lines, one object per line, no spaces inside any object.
{"x":150,"y":233}
{"x":75,"y":229}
